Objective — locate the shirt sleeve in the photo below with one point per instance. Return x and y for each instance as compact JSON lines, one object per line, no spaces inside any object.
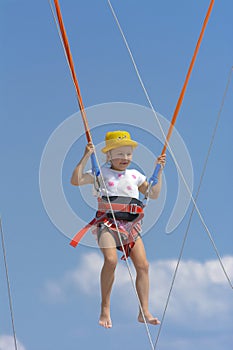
{"x":89,"y":172}
{"x":141,"y":178}
{"x":94,"y":191}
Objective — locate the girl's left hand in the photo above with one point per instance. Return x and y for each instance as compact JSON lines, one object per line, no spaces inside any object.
{"x":162,"y":160}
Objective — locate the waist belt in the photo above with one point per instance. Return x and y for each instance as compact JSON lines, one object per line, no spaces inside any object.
{"x":125,"y":208}
{"x":105,"y":208}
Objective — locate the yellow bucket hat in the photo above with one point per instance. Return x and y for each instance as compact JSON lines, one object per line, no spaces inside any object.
{"x":115,"y":139}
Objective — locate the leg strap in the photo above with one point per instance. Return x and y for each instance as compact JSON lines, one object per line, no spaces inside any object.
{"x":77,"y":238}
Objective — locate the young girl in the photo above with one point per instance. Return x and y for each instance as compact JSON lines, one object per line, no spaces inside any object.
{"x":121,"y":187}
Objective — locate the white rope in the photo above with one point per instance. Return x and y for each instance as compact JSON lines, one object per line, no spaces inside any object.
{"x":168,"y":146}
{"x":8,"y":286}
{"x":193,"y":208}
{"x":110,"y":205}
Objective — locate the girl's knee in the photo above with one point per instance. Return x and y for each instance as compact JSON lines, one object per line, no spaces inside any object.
{"x":110,"y":261}
{"x":143,"y":266}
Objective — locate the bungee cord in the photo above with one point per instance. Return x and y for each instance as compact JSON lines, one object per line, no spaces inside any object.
{"x":8,"y":286}
{"x":153,"y":178}
{"x":181,"y":97}
{"x":65,"y":44}
{"x":193,"y":207}
{"x":97,"y":172}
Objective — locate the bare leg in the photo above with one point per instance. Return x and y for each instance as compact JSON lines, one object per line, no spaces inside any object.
{"x":108,"y":247}
{"x":138,"y":256}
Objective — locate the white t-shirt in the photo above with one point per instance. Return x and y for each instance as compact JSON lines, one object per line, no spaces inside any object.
{"x":121,"y":183}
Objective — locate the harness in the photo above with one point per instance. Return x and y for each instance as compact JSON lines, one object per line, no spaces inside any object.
{"x":124,"y":208}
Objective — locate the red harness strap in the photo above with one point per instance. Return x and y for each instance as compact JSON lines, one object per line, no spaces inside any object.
{"x":77,"y":238}
{"x":102,"y":218}
{"x":127,"y":208}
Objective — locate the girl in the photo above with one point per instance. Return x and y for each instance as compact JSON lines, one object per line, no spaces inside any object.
{"x":121,"y":186}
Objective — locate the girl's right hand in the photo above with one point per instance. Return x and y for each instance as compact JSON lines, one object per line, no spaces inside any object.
{"x":89,"y":149}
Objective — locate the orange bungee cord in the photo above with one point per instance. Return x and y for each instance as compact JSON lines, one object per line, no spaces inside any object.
{"x":66,"y":46}
{"x":154,"y":178}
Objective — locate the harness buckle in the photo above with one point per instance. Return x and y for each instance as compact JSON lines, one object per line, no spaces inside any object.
{"x":108,"y":223}
{"x":133,"y":208}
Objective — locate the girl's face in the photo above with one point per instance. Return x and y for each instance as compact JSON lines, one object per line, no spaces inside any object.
{"x":120,"y":157}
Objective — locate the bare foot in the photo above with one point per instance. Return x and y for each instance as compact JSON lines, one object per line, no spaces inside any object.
{"x":105,"y":320}
{"x":149,"y":319}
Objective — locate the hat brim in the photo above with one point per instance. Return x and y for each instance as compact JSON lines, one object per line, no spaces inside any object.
{"x":113,"y":144}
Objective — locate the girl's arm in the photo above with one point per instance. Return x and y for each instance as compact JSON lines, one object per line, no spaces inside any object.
{"x":78,"y":177}
{"x":155,"y":190}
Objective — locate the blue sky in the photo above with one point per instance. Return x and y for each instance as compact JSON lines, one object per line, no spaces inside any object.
{"x":55,"y":287}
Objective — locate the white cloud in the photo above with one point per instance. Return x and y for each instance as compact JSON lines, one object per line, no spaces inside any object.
{"x":200,"y":289}
{"x":200,"y":292}
{"x":85,"y":278}
{"x":7,"y":343}
{"x":201,"y":341}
